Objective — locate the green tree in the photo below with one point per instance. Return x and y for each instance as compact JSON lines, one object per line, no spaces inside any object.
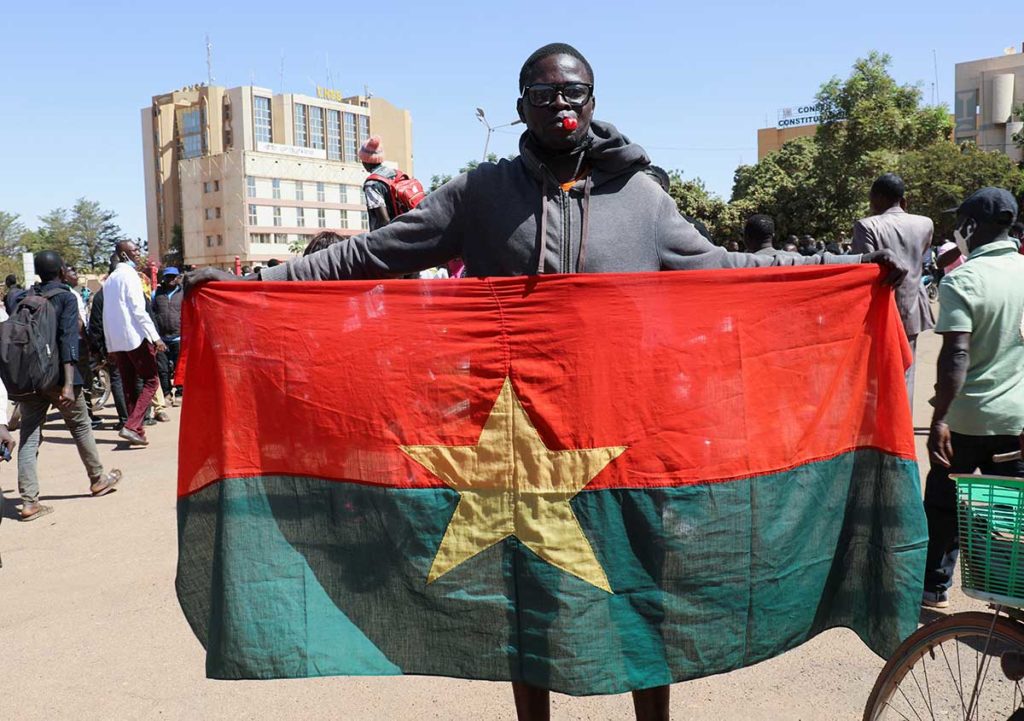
{"x":781,"y":185}
{"x":93,"y":233}
{"x":53,"y":233}
{"x":941,"y":175}
{"x":867,"y":121}
{"x":11,"y":232}
{"x":694,"y":200}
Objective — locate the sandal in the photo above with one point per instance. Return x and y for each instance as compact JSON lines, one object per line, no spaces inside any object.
{"x":106,"y":484}
{"x":32,"y":511}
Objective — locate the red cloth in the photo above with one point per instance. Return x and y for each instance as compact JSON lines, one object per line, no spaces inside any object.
{"x":705,"y":375}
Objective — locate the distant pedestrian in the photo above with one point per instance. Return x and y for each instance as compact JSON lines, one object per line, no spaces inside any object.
{"x":759,"y":236}
{"x":11,"y":287}
{"x":166,"y":306}
{"x":100,"y":357}
{"x":67,"y":396}
{"x":131,"y":338}
{"x":388,"y":192}
{"x":908,"y":236}
{"x":70,"y":277}
{"x":323,"y":239}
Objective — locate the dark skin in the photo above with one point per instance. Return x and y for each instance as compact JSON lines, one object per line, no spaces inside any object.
{"x":128,"y":251}
{"x":879,"y":204}
{"x":168,"y":282}
{"x":380,"y":213}
{"x":755,"y":245}
{"x":542,"y":123}
{"x":954,"y":360}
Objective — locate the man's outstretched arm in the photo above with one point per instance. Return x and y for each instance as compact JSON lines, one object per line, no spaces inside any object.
{"x":428,"y":236}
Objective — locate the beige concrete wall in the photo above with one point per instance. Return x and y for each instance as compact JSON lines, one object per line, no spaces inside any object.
{"x":394,"y":125}
{"x":771,"y":139}
{"x":988,"y":132}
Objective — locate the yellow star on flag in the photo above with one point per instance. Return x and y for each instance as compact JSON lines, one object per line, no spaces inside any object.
{"x":511,"y":484}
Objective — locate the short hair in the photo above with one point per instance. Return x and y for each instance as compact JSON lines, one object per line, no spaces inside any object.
{"x":273,"y":263}
{"x":546,"y":52}
{"x":889,"y":187}
{"x":48,"y":264}
{"x":11,"y":280}
{"x":759,"y":228}
{"x":321,"y":241}
{"x":790,"y":247}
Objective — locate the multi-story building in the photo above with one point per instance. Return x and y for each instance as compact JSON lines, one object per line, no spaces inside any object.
{"x":988,"y":92}
{"x":793,"y":122}
{"x":243,"y":172}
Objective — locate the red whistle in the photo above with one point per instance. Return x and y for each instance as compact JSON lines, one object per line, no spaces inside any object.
{"x":570,"y":123}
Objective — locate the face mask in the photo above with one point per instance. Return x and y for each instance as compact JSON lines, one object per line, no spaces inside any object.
{"x":125,"y":259}
{"x":962,"y":236}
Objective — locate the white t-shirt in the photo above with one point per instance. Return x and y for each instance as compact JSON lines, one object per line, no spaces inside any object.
{"x":126,"y":324}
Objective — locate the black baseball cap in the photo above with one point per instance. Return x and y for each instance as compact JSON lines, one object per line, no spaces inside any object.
{"x":987,"y":205}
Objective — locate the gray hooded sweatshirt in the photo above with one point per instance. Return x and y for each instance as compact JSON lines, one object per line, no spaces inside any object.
{"x":500,"y":216}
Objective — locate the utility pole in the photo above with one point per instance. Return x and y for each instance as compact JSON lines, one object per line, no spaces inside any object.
{"x":209,"y":61}
{"x":483,"y":119}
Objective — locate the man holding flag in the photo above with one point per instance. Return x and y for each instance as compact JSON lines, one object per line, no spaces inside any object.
{"x":574,"y":201}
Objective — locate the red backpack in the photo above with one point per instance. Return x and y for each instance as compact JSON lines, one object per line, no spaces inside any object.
{"x":406,"y":192}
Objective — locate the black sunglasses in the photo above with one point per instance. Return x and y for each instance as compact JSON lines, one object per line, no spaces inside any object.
{"x":542,"y":95}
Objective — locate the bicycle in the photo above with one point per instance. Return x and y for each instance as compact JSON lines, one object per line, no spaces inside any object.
{"x":944,"y":670}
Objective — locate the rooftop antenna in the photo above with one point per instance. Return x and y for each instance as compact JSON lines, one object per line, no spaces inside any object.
{"x":282,"y":71}
{"x":327,"y":61}
{"x":366,"y":92}
{"x":935,"y":63}
{"x":209,"y":60}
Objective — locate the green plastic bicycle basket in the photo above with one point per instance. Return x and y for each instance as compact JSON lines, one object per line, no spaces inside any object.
{"x":990,"y":513}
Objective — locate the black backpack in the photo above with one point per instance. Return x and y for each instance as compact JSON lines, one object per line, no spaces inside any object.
{"x":29,"y":357}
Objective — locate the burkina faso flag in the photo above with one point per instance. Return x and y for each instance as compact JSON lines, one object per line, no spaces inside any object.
{"x":589,"y":483}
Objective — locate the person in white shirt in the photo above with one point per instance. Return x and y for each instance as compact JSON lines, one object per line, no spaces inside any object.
{"x":132,"y":339}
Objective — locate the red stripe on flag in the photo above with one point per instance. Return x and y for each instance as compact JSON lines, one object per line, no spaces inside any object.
{"x":704,"y":375}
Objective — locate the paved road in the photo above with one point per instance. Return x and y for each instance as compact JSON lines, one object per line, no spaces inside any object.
{"x":90,"y":628}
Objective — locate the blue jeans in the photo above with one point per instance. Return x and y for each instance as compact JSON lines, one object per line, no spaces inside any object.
{"x":970,"y":453}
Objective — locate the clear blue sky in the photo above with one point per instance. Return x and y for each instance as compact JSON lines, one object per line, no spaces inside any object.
{"x":690,"y":82}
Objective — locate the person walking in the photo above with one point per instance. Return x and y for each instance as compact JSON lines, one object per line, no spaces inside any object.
{"x":576,"y":199}
{"x":979,"y":391}
{"x":98,"y":343}
{"x":131,"y":339}
{"x":67,"y":396}
{"x":909,"y":237}
{"x":380,"y":206}
{"x":166,"y":305}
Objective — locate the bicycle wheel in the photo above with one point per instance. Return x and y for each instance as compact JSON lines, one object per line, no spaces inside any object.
{"x":950,"y":669}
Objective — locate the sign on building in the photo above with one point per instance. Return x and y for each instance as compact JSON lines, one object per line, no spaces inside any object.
{"x":799,"y":115}
{"x":296,"y":150}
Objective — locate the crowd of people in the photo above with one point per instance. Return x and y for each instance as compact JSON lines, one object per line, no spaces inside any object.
{"x":124,"y":332}
{"x":580,"y":198}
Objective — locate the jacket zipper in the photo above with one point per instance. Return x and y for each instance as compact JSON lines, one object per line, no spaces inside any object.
{"x":564,"y":250}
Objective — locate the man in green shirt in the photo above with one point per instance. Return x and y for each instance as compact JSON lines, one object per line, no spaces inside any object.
{"x":979,"y":393}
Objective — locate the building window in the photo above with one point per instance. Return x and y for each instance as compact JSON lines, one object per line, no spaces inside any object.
{"x":216,"y":212}
{"x":320,"y":194}
{"x":216,"y":186}
{"x":355,"y":194}
{"x":259,"y":237}
{"x":351,"y":147}
{"x":364,"y":128}
{"x":192,"y":139}
{"x":264,"y":127}
{"x":300,"y":194}
{"x":275,"y":184}
{"x":277,"y":217}
{"x":316,"y":128}
{"x":220,"y":240}
{"x":208,"y":213}
{"x":334,"y":135}
{"x":252,"y":215}
{"x":250,"y":186}
{"x":300,"y":126}
{"x":209,"y":241}
{"x":364,"y":220}
{"x":321,"y":218}
{"x":206,"y":187}
{"x":281,"y":238}
{"x":300,"y":217}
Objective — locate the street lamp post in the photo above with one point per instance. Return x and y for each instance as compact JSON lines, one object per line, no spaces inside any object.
{"x":483,"y":119}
